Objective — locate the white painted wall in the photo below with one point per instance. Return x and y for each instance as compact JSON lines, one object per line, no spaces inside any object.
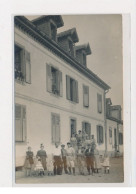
{"x":40,"y":103}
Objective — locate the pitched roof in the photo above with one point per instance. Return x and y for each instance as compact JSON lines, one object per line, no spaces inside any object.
{"x":28,"y":27}
{"x":86,"y":47}
{"x":71,"y":32}
{"x":56,"y":18}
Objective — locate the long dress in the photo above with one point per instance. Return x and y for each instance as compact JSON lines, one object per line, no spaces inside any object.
{"x":42,"y":154}
{"x":97,"y":164}
{"x":29,"y":160}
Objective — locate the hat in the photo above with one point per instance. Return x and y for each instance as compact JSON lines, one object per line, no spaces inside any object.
{"x":79,"y":131}
{"x":68,"y":143}
{"x":62,"y":145}
{"x":41,"y":145}
{"x":83,"y":147}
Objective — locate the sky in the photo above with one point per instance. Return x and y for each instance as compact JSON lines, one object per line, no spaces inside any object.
{"x":104,"y":34}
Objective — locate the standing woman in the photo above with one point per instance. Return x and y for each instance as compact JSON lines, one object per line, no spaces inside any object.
{"x":29,"y":162}
{"x":42,"y":154}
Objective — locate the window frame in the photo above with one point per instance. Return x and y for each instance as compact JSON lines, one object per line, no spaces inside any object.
{"x":100,"y":143}
{"x":84,"y":96}
{"x":68,"y":92}
{"x":75,"y":119}
{"x":99,"y":107}
{"x":60,"y":92}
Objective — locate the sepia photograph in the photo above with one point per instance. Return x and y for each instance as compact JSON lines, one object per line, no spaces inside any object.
{"x":68,"y":94}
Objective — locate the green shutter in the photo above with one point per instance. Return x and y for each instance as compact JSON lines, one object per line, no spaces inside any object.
{"x":27,"y":67}
{"x":57,"y":130}
{"x":86,"y":96}
{"x":23,"y":123}
{"x":18,"y":128}
{"x":76,"y":90}
{"x":99,"y":103}
{"x":53,"y":128}
{"x":98,"y":135}
{"x":68,"y":87}
{"x":48,"y":78}
{"x":60,"y":83}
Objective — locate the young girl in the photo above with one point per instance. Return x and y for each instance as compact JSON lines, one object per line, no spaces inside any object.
{"x":39,"y":170}
{"x":106,"y":163}
{"x":29,"y":162}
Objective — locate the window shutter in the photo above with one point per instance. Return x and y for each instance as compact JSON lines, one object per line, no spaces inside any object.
{"x":57,"y":138}
{"x":23,"y":63}
{"x":60,"y":83}
{"x":48,"y":78}
{"x":76,"y":90}
{"x":27,"y":67}
{"x":18,"y":128}
{"x":53,"y":128}
{"x":68,"y":87}
{"x":86,"y":96}
{"x":101,"y":134}
{"x":99,"y":103}
{"x":88,"y":130}
{"x":24,"y":123}
{"x":98,"y":137}
{"x":83,"y":125}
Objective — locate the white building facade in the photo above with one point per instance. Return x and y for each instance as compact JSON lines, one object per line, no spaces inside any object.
{"x":55,"y":93}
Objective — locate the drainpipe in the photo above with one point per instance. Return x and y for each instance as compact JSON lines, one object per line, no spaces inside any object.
{"x":105,"y":121}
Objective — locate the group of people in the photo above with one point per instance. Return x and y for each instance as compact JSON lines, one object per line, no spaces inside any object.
{"x":81,"y":153}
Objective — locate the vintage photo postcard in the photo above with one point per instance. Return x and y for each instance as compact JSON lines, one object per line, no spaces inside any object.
{"x":68,"y":83}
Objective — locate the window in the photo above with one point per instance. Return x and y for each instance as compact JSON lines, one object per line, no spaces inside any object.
{"x":55,"y":128}
{"x":110,"y":135}
{"x":84,"y":59}
{"x":85,"y":96}
{"x":71,"y":48}
{"x":20,"y":123}
{"x":53,"y":32}
{"x":54,"y":80}
{"x":99,"y":103}
{"x":99,"y":134}
{"x":120,"y":139}
{"x":87,"y":127}
{"x":72,"y":126}
{"x":71,"y":89}
{"x":22,"y":65}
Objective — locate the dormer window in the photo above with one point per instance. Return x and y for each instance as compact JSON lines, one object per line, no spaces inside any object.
{"x":53,"y":31}
{"x":81,"y":52}
{"x":67,"y":40}
{"x":84,"y":59}
{"x":71,"y":48}
{"x":49,"y":24}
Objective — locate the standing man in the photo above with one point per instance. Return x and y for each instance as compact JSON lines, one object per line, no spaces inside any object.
{"x":70,"y":158}
{"x":64,"y":159}
{"x":57,"y":160}
{"x":42,"y":154}
{"x":89,"y":153}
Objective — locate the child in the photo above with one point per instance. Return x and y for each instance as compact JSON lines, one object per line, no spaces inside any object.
{"x":50,"y":166}
{"x":29,"y":162}
{"x":38,"y":167}
{"x":106,"y":163}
